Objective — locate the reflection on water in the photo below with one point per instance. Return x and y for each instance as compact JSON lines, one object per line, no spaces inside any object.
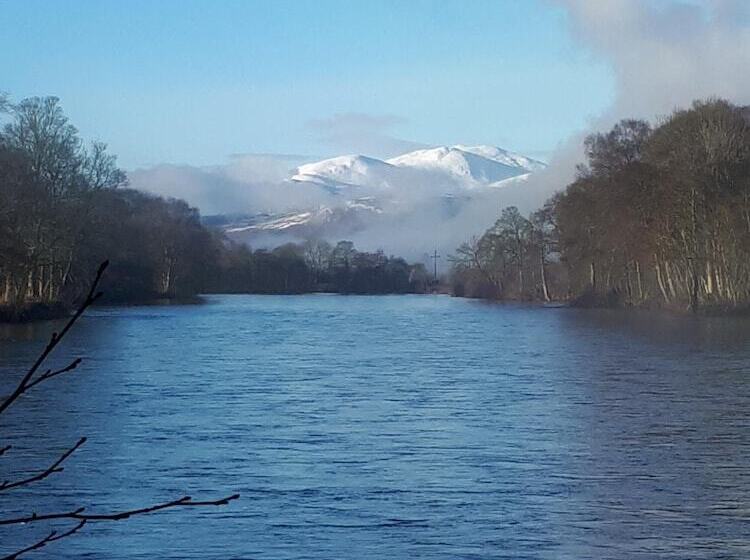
{"x":393,"y":427}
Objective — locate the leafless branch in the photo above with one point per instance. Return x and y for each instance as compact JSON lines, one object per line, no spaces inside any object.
{"x":55,"y":467}
{"x":80,"y":515}
{"x":49,"y":373}
{"x":52,"y":537}
{"x":27,"y":380}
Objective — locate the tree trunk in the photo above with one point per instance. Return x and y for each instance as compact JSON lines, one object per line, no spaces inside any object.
{"x":660,"y":279}
{"x":639,"y":279}
{"x":545,"y":288}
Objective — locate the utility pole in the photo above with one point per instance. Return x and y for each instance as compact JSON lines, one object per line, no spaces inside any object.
{"x":435,"y":258}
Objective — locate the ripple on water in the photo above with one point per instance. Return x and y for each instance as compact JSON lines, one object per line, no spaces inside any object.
{"x":392,"y":427}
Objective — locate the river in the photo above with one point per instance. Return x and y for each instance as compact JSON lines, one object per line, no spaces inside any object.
{"x":392,"y":427}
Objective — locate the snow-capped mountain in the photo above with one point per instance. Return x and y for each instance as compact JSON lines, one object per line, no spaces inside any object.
{"x":347,"y":171}
{"x":319,"y":217}
{"x":446,"y":191}
{"x":472,"y":165}
{"x":448,"y":167}
{"x":505,"y":157}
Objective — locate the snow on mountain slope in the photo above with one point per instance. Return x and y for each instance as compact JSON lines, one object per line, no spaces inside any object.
{"x":445,"y":167}
{"x":319,"y":217}
{"x":347,"y":171}
{"x":277,"y":223}
{"x":443,"y":194}
{"x":324,"y":222}
{"x":504,"y":156}
{"x":478,"y":165}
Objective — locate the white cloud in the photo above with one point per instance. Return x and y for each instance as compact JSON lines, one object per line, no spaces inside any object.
{"x":248,"y":183}
{"x":362,"y":133}
{"x":663,"y":55}
{"x":666,"y":54}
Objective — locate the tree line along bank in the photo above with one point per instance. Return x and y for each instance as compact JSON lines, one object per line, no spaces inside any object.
{"x":657,"y":216}
{"x":65,"y":207}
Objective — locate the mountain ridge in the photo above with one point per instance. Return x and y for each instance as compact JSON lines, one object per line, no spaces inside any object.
{"x":444,"y":192}
{"x":467,"y":166}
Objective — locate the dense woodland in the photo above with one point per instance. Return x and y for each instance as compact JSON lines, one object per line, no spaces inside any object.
{"x":65,"y":207}
{"x":658,"y":216}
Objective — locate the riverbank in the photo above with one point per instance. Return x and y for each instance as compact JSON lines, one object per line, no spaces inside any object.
{"x":33,"y":312}
{"x":50,"y":311}
{"x":39,"y":311}
{"x":614,"y":303}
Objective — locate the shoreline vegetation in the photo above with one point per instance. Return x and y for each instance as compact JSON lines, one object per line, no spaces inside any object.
{"x":658,"y":217}
{"x":65,"y":207}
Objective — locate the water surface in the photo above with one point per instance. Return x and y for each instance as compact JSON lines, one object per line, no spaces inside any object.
{"x":390,"y":427}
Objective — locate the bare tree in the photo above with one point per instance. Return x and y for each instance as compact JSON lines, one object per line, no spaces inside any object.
{"x":80,"y":516}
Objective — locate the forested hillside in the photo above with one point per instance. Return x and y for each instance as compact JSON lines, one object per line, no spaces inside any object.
{"x":657,"y":216}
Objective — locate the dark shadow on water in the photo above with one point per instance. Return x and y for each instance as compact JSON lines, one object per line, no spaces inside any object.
{"x":730,"y":333}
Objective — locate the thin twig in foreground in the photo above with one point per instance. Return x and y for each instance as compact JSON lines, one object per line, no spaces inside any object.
{"x":52,"y":537}
{"x":80,"y":515}
{"x":26,"y":381}
{"x":55,"y":467}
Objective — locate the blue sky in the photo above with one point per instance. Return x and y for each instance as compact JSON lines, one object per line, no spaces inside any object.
{"x":195,"y":81}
